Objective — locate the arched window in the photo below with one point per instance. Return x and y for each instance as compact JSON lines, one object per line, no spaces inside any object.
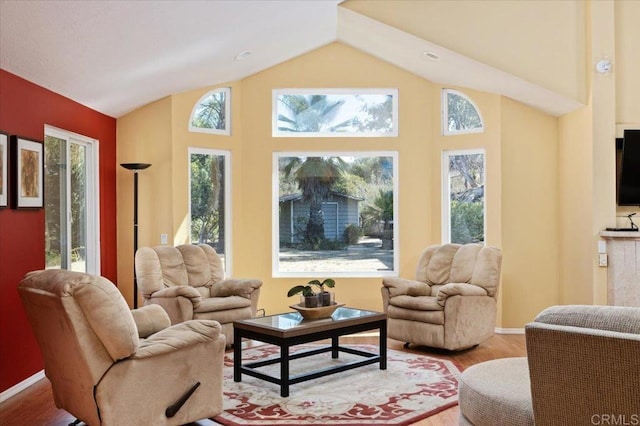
{"x":459,"y":114}
{"x":212,"y":113}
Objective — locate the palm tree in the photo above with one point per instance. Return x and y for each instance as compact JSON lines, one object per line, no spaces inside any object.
{"x":310,"y":113}
{"x":315,"y":177}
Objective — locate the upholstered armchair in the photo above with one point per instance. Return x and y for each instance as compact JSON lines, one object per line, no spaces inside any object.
{"x":188,"y":281}
{"x":452,"y":302}
{"x":582,"y":368}
{"x":109,"y":366}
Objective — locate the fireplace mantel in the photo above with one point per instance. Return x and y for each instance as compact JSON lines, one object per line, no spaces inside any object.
{"x":623,"y":275}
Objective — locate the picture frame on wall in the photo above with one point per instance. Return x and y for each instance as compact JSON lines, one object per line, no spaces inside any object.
{"x":4,"y":169}
{"x":28,"y":173}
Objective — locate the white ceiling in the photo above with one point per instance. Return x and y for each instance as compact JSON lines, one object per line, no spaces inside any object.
{"x":115,"y":56}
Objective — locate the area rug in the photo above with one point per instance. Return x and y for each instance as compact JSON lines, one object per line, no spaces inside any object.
{"x":412,"y":388}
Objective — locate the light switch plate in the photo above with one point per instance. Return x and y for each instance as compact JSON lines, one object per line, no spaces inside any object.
{"x":163,"y":238}
{"x":602,"y":259}
{"x":602,"y":246}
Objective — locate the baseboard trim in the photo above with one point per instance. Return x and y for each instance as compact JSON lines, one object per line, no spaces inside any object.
{"x":19,"y":387}
{"x":501,"y":330}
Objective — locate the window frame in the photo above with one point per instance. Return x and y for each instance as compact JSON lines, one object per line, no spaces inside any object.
{"x":445,"y":114}
{"x":275,"y":225}
{"x":446,"y":192}
{"x":92,"y":147}
{"x":227,"y":111}
{"x":328,"y":91}
{"x":227,"y":200}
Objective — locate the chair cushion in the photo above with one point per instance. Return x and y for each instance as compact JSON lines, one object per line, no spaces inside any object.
{"x":226,"y":317}
{"x":212,"y":304}
{"x":429,"y":317}
{"x":420,"y":303}
{"x":497,"y":392}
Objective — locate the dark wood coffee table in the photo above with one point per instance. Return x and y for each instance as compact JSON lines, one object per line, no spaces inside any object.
{"x":287,"y":330}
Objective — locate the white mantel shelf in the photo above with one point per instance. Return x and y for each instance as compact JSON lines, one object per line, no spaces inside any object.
{"x":623,"y":275}
{"x":620,"y":234}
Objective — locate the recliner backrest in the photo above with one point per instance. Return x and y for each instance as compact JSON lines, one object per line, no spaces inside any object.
{"x":455,"y":263}
{"x":163,"y":266}
{"x":82,"y":325}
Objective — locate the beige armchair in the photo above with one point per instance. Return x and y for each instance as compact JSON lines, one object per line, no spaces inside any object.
{"x":108,"y":366}
{"x":582,"y":368}
{"x":188,"y":282}
{"x":452,"y":302}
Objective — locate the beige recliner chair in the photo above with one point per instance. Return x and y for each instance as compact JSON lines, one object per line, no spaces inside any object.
{"x":452,"y":302}
{"x":110,"y":366}
{"x":188,"y":282}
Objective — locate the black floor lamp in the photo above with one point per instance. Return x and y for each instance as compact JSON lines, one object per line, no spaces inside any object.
{"x":135,"y":167}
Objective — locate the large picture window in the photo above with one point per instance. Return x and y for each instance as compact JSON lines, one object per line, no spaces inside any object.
{"x":463,"y":216}
{"x":335,"y":112}
{"x":335,"y":214}
{"x":210,"y":200}
{"x":72,"y":222}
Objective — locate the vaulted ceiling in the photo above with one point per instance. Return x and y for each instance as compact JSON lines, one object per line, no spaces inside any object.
{"x":115,"y":56}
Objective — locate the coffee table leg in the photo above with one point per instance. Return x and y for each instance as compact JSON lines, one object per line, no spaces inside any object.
{"x":335,"y":340}
{"x":383,"y":345}
{"x":284,"y":371}
{"x":237,"y":355}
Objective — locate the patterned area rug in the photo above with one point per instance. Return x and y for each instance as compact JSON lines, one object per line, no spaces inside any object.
{"x":412,"y":388}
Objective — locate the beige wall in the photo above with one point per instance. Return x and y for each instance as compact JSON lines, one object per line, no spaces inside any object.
{"x":144,"y":136}
{"x":543,"y":42}
{"x":162,"y":129}
{"x":530,"y":238}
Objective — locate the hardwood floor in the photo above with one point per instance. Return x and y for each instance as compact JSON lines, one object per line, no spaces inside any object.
{"x":34,"y":406}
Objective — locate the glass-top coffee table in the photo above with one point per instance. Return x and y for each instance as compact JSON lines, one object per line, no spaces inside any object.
{"x":290,"y":329}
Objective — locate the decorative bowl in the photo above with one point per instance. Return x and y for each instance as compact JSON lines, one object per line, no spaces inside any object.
{"x":316,"y":313}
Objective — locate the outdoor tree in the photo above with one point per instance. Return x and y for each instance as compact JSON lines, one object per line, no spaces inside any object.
{"x":207,"y":200}
{"x":310,"y":113}
{"x":461,"y":114}
{"x":315,"y":177}
{"x":210,"y":114}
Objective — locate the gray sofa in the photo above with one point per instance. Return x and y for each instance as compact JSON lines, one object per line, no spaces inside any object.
{"x":582,"y":368}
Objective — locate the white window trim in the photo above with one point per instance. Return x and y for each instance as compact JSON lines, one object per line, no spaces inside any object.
{"x":323,"y":91}
{"x":445,"y":114}
{"x":227,"y":201}
{"x":275,"y":216}
{"x":446,"y":192}
{"x":93,"y":265}
{"x":227,"y":113}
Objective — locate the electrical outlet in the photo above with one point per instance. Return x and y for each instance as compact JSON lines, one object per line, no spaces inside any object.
{"x":164,"y":238}
{"x":602,"y":259}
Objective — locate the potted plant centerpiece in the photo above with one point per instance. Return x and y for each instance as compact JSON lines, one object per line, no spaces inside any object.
{"x":311,"y":298}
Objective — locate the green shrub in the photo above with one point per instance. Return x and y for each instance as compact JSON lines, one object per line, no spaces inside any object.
{"x":467,"y":222}
{"x":352,"y":234}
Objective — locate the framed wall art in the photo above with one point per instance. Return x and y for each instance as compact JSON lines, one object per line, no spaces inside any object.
{"x":4,"y":169}
{"x":27,"y":172}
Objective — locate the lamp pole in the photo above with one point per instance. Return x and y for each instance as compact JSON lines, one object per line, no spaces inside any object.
{"x":135,"y":167}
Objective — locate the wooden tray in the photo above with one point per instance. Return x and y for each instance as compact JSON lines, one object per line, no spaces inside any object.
{"x":316,"y":313}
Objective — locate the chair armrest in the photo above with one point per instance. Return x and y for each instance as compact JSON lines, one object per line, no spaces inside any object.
{"x":235,"y":287}
{"x":150,"y":319}
{"x":178,"y":291}
{"x":458,"y":289}
{"x":401,"y":286}
{"x":178,"y":336}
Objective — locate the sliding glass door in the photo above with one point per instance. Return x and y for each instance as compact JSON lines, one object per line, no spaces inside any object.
{"x":71,"y":202}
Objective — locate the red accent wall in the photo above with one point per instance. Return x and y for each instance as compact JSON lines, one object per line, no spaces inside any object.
{"x":25,"y":108}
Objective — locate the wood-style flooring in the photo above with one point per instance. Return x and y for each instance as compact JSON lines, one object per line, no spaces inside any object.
{"x":34,"y":406}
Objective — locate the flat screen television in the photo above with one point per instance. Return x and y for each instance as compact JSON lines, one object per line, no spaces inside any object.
{"x":629,"y":182}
